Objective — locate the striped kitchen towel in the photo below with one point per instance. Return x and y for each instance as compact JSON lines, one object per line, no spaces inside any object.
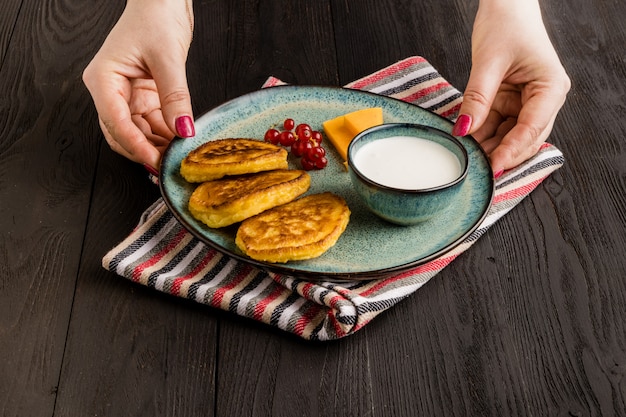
{"x":162,"y":254}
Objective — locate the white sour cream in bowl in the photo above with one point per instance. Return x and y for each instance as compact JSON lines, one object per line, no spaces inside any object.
{"x":408,"y":163}
{"x":406,"y":173}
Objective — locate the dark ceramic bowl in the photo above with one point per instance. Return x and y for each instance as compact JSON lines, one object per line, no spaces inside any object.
{"x":406,"y":206}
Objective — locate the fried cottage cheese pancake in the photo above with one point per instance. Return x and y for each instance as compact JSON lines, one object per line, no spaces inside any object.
{"x":222,"y":202}
{"x":233,"y":156}
{"x":302,"y":229}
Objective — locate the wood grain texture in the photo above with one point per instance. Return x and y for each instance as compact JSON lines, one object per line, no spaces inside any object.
{"x":10,"y":9}
{"x":46,"y":172}
{"x":529,"y":322}
{"x":584,"y":221}
{"x":371,"y":35}
{"x":143,"y":359}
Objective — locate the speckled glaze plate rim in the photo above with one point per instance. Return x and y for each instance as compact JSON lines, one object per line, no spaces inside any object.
{"x":246,"y":116}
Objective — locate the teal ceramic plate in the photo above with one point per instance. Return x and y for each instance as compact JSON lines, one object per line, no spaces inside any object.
{"x":369,"y":247}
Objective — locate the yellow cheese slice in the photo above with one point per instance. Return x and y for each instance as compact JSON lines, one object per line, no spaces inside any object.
{"x":341,"y":130}
{"x":360,"y":120}
{"x":338,"y":135}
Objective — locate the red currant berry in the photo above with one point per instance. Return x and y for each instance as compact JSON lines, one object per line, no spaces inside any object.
{"x":287,"y":138}
{"x":301,"y":127}
{"x":272,"y":136}
{"x":315,"y":153}
{"x":306,"y":145}
{"x":288,"y":124}
{"x":317,"y":137}
{"x":305,"y":134}
{"x":321,"y":163}
{"x":307,"y":164}
{"x":296,"y":148}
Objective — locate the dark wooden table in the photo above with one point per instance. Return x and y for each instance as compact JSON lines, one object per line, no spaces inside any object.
{"x":529,"y":322}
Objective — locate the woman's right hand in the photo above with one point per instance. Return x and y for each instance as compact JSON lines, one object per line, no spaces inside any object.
{"x":517,"y":84}
{"x":138,"y":79}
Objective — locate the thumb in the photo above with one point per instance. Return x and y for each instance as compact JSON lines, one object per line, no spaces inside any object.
{"x":482,"y":87}
{"x":171,"y":82}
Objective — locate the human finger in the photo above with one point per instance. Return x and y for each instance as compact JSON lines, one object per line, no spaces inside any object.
{"x":125,"y":137}
{"x":110,"y":92}
{"x":518,"y":145}
{"x":171,"y":80}
{"x":157,"y":124}
{"x":482,"y":86}
{"x":542,"y":102}
{"x":147,"y":129}
{"x":504,"y":127}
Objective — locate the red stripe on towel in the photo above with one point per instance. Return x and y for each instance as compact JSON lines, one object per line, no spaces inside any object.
{"x":307,"y":317}
{"x":452,"y":112}
{"x":218,"y":296}
{"x":339,"y":332}
{"x":136,"y":274}
{"x":426,"y":91}
{"x":432,"y":266}
{"x":178,"y":282}
{"x":517,"y":192}
{"x":377,"y":76}
{"x":261,"y":306}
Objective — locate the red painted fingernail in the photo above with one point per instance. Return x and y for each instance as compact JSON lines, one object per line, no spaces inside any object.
{"x":498,"y":173}
{"x":151,"y":170}
{"x":185,"y":127}
{"x":462,"y":125}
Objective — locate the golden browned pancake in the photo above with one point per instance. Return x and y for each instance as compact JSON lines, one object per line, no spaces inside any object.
{"x":222,"y":157}
{"x":230,"y":200}
{"x":302,"y":229}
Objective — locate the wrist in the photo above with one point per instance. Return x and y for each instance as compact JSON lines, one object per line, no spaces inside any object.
{"x":509,"y":6}
{"x":171,"y":8}
{"x":158,"y":12}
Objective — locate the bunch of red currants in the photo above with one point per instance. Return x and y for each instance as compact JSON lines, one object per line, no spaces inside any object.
{"x":305,"y":143}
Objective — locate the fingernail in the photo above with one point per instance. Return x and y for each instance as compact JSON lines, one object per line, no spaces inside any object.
{"x":462,"y":125}
{"x":185,"y":127}
{"x":151,"y":170}
{"x":498,"y":173}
